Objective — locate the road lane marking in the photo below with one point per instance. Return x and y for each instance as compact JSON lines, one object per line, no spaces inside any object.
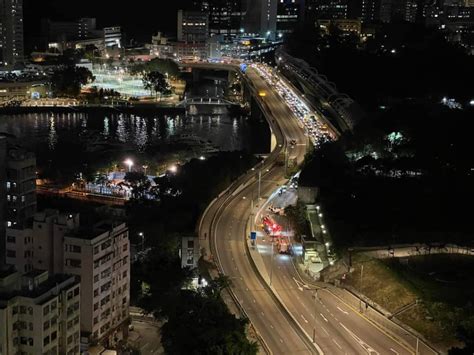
{"x":395,"y":352}
{"x":343,"y":311}
{"x":325,"y":331}
{"x":335,"y":342}
{"x":323,"y":317}
{"x":399,"y":341}
{"x":304,"y":319}
{"x":362,"y":343}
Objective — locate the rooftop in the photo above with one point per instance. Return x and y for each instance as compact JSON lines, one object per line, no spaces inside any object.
{"x":93,"y":231}
{"x":53,"y":281}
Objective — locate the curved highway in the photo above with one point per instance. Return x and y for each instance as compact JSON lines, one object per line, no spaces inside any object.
{"x":285,"y":314}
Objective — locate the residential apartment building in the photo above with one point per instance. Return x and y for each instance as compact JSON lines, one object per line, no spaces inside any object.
{"x":20,"y":186}
{"x":101,"y":257}
{"x":3,"y":198}
{"x":98,"y":254}
{"x":17,"y":189}
{"x":11,"y":33}
{"x":39,"y":314}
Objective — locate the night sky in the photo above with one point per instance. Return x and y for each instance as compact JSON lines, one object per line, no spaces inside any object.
{"x":139,"y":18}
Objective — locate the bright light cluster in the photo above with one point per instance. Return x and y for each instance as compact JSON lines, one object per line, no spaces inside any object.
{"x":315,"y":129}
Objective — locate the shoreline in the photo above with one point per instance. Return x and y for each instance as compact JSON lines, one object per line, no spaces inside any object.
{"x":148,"y":109}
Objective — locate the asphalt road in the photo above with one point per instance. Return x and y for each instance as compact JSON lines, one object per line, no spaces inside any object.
{"x":340,"y":329}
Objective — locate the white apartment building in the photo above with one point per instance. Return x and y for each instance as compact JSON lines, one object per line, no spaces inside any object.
{"x":39,"y":314}
{"x":101,"y":257}
{"x":98,"y":254}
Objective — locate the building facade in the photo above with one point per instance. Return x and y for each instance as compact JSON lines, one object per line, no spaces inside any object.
{"x":39,"y":314}
{"x":260,"y":18}
{"x":63,"y":31}
{"x":99,"y":255}
{"x":225,"y":16}
{"x":289,"y":14}
{"x":193,"y":26}
{"x":3,"y":198}
{"x":11,"y":33}
{"x":20,"y":186}
{"x":113,"y":37}
{"x":189,"y":252}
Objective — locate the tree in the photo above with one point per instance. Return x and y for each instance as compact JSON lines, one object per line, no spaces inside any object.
{"x":69,"y":80}
{"x":156,"y":82}
{"x":161,"y":272}
{"x":203,"y":325}
{"x":164,"y":66}
{"x":139,"y":184}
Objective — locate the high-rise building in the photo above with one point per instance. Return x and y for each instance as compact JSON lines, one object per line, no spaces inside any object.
{"x":193,"y":26}
{"x":98,"y":254}
{"x":11,"y":32}
{"x":398,"y":10}
{"x":62,"y":31}
{"x":17,"y":189}
{"x":3,"y":197}
{"x":21,"y":186}
{"x":260,"y":18}
{"x":369,"y":10}
{"x":331,"y":9}
{"x":225,"y":16}
{"x":39,"y":314}
{"x":289,"y":14}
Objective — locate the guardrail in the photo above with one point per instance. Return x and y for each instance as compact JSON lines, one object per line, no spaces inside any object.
{"x":241,"y":183}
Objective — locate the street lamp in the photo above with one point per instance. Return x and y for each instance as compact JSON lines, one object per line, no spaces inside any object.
{"x":129,"y":163}
{"x":173,"y":169}
{"x":271,"y":267}
{"x":315,"y":297}
{"x":142,"y":236}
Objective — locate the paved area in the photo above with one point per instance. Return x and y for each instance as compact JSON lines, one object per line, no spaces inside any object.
{"x":146,"y":337}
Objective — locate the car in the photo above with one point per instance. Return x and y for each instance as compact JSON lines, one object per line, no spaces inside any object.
{"x":293,"y":142}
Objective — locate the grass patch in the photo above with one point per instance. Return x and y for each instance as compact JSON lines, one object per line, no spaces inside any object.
{"x":443,"y":283}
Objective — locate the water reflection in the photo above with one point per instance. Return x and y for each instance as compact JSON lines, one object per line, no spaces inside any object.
{"x":227,"y":133}
{"x":53,"y":136}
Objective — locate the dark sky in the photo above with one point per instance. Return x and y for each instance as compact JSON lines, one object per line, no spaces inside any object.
{"x":139,"y":18}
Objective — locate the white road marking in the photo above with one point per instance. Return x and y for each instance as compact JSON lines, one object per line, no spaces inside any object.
{"x":394,"y":351}
{"x":304,"y":318}
{"x":335,"y":342}
{"x":362,"y":343}
{"x":343,"y":311}
{"x":281,"y":340}
{"x":271,"y":326}
{"x":323,"y":317}
{"x":325,"y":331}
